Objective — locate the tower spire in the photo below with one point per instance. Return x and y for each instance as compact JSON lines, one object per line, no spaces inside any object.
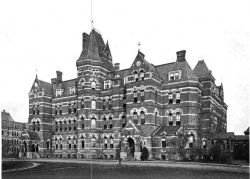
{"x":139,"y":44}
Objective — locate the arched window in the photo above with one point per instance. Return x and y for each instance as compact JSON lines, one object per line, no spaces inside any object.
{"x":60,"y":108}
{"x":191,"y":141}
{"x":178,"y":97}
{"x":178,"y":118}
{"x":38,"y":109}
{"x":93,"y":123}
{"x":170,"y":119}
{"x":74,"y":107}
{"x":93,"y":85}
{"x":111,"y":142}
{"x":69,"y":108}
{"x":48,"y":144}
{"x":110,"y":103}
{"x":135,"y":96}
{"x":82,"y":103}
{"x":142,"y":95}
{"x":55,"y":109}
{"x":34,"y":109}
{"x":93,"y":104}
{"x":83,"y":142}
{"x":38,"y":126}
{"x":170,"y":98}
{"x":110,"y":122}
{"x":136,"y":76}
{"x":82,"y":119}
{"x":156,"y":113}
{"x":104,"y":122}
{"x":135,"y":117}
{"x":142,"y":117}
{"x":105,"y":142}
{"x":93,"y":141}
{"x":142,"y":75}
{"x":124,"y":121}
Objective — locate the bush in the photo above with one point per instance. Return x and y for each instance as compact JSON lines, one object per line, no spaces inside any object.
{"x":144,"y":154}
{"x":225,"y":158}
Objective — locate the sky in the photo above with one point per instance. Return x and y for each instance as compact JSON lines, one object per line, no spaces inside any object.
{"x":43,"y":36}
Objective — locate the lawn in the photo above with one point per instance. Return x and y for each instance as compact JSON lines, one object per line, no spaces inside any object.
{"x":74,"y":171}
{"x":13,"y":165}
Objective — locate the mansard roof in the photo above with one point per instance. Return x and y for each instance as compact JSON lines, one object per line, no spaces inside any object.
{"x":201,"y":69}
{"x":187,"y":72}
{"x":65,"y":85}
{"x":163,"y":70}
{"x":47,"y":87}
{"x":168,"y":130}
{"x":93,"y":47}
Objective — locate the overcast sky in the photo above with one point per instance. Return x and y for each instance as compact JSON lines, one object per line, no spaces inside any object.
{"x":46,"y":35}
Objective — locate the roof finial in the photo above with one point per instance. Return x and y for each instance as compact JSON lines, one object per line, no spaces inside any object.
{"x":139,"y":44}
{"x":36,"y":72}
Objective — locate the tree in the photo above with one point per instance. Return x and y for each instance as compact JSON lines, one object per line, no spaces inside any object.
{"x":5,"y":147}
{"x":144,"y":154}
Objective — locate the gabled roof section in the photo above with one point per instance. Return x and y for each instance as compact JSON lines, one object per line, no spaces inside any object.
{"x":163,"y":70}
{"x":168,"y":130}
{"x":92,"y":48}
{"x":247,"y":131}
{"x":144,"y":63}
{"x":221,"y":136}
{"x":201,"y":69}
{"x":186,"y":71}
{"x":46,"y":87}
{"x":65,"y":85}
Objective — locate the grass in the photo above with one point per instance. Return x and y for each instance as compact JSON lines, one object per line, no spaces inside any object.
{"x":12,"y":165}
{"x":74,"y":171}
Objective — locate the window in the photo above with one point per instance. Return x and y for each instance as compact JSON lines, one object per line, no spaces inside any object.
{"x":110,"y":103}
{"x":135,"y":96}
{"x":191,"y":141}
{"x":170,"y":119}
{"x":56,"y":146}
{"x":55,"y":109}
{"x":142,"y":95}
{"x":110,"y":122}
{"x":105,"y":142}
{"x":124,"y":105}
{"x":106,"y":85}
{"x":156,"y":92}
{"x":204,"y":144}
{"x":178,"y":99}
{"x":174,"y":75}
{"x":104,"y":105}
{"x":74,"y":128}
{"x":93,"y":123}
{"x":47,"y":144}
{"x":69,"y":108}
{"x":93,"y":104}
{"x":72,"y":90}
{"x":60,"y":112}
{"x":93,"y":141}
{"x":135,"y":76}
{"x":34,"y":110}
{"x":58,"y":92}
{"x":93,"y":85}
{"x":74,"y":107}
{"x":156,"y":113}
{"x":135,"y":118}
{"x":170,"y":98}
{"x":142,"y":75}
{"x":82,"y":143}
{"x":38,"y":110}
{"x":142,"y":117}
{"x":111,"y":142}
{"x":178,"y":118}
{"x":82,"y":103}
{"x":124,"y":122}
{"x":69,"y":147}
{"x":163,"y":143}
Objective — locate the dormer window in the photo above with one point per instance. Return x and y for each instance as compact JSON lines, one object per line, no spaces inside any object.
{"x":72,"y":90}
{"x":106,"y":84}
{"x":175,"y":75}
{"x":136,"y":76}
{"x":93,"y":85}
{"x":58,"y":92}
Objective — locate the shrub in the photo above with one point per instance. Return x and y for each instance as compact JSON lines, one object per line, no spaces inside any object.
{"x":144,"y":154}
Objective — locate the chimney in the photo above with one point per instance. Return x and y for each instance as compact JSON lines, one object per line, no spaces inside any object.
{"x":84,"y":39}
{"x":117,"y":66}
{"x":181,"y":55}
{"x":59,"y":76}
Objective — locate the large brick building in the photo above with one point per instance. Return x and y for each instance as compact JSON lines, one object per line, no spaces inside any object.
{"x":106,"y":112}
